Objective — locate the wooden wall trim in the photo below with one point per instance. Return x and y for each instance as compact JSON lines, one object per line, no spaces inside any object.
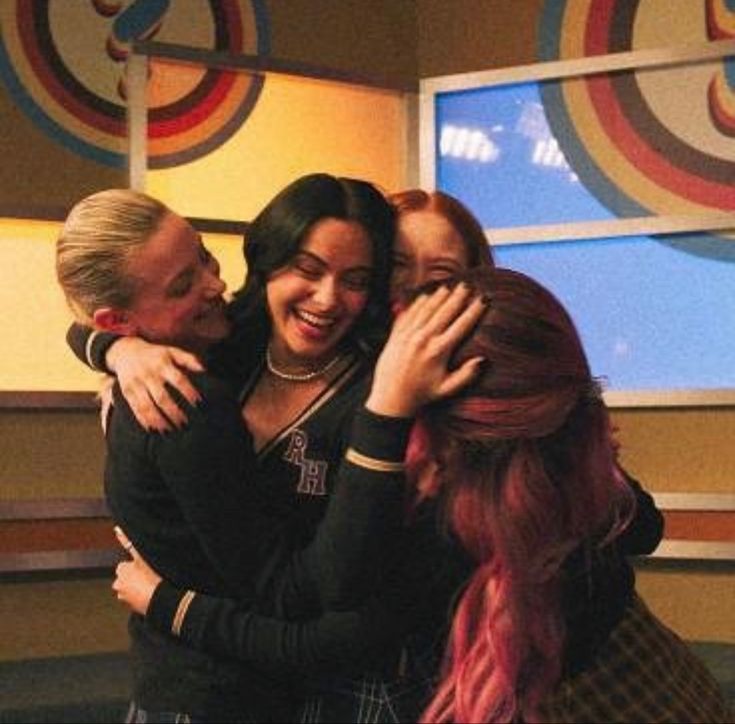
{"x":219,"y":226}
{"x":58,"y":561}
{"x":697,"y":526}
{"x":56,"y":535}
{"x":265,"y":64}
{"x":53,"y":509}
{"x":24,"y":212}
{"x":52,"y":400}
{"x":33,"y":211}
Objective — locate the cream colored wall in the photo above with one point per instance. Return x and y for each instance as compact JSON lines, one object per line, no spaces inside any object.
{"x":36,"y":316}
{"x":298,"y":126}
{"x":686,"y":450}
{"x":60,"y":618}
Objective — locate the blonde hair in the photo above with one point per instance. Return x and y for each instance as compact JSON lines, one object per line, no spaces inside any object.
{"x":99,"y":236}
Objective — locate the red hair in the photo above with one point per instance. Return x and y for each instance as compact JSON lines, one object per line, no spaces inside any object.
{"x":455,"y":213}
{"x":527,"y":473}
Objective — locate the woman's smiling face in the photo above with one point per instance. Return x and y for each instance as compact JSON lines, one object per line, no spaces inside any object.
{"x":315,"y":299}
{"x":178,"y":297}
{"x":428,"y":248}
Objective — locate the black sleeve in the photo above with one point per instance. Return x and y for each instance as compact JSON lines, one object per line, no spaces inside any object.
{"x":208,"y":465}
{"x":416,"y":599}
{"x":645,"y":530}
{"x":363,"y":515}
{"x":90,"y":346}
{"x":335,"y":642}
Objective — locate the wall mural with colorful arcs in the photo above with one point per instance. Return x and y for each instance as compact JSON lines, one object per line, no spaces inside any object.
{"x":64,"y":66}
{"x":658,"y":141}
{"x":607,"y":171}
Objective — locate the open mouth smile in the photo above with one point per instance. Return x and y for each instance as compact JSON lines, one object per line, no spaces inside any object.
{"x":318,"y":322}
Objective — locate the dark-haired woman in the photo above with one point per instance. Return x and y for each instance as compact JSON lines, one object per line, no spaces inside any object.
{"x":421,"y":590}
{"x":195,"y":501}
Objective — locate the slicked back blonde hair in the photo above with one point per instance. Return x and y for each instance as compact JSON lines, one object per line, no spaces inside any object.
{"x":99,"y":236}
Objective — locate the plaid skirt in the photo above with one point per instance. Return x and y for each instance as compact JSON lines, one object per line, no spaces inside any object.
{"x":369,"y":700}
{"x":643,"y":673}
{"x":398,"y":694}
{"x":137,"y":715}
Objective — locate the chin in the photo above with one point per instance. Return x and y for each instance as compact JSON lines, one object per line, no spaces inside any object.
{"x":216,"y":334}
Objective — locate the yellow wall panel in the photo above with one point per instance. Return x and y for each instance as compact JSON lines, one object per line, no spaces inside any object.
{"x":60,"y":618}
{"x":298,"y":126}
{"x":695,"y":601}
{"x":35,"y":314}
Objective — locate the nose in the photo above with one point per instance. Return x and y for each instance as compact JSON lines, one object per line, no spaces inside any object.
{"x":214,"y":285}
{"x":325,"y":292}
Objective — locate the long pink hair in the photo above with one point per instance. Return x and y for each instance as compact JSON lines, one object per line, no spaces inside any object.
{"x":526,"y":473}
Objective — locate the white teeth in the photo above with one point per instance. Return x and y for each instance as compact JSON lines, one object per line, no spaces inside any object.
{"x":314,"y":320}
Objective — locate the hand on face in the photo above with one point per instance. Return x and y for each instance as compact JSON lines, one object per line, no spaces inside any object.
{"x":412,"y":369}
{"x":427,"y":248}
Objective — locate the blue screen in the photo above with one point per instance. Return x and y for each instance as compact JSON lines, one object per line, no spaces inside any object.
{"x":652,"y":316}
{"x":497,"y":153}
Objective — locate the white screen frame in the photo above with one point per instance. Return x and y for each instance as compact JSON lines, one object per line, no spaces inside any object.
{"x":431,"y":87}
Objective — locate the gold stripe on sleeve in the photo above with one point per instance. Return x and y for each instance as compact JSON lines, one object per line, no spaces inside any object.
{"x":88,"y":350}
{"x":381,"y":466}
{"x":181,"y":610}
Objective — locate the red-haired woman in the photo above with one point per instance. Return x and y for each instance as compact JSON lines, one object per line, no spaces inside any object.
{"x":523,"y":466}
{"x":437,"y":237}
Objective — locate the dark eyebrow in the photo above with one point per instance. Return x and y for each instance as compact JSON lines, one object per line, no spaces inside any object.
{"x":318,"y":260}
{"x":310,"y":255}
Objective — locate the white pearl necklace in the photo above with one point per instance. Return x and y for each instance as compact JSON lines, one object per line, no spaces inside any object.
{"x":304,"y":376}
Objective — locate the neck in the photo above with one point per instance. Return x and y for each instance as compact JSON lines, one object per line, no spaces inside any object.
{"x":302,"y":370}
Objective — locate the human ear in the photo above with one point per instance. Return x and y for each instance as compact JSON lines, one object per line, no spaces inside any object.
{"x":428,"y":480}
{"x":110,"y":319}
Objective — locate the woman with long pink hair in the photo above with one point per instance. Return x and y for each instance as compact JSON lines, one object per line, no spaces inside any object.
{"x":523,"y":466}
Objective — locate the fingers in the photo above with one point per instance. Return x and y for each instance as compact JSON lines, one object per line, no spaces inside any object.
{"x":166,"y":410}
{"x":117,"y":585}
{"x":459,"y":378}
{"x":126,"y":543}
{"x":433,"y":314}
{"x":424,"y":307}
{"x":186,"y":360}
{"x":146,"y":411}
{"x":181,"y":382}
{"x":461,"y":324}
{"x":145,"y":371}
{"x":446,"y":309}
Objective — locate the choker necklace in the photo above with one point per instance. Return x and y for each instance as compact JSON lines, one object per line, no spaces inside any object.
{"x":305,"y":376}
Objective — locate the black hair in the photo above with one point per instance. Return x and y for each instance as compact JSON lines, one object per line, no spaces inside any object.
{"x":275,"y":236}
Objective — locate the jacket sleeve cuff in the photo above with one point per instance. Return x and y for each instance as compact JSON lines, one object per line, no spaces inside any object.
{"x":165,"y":608}
{"x":379,"y":438}
{"x":91,"y":345}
